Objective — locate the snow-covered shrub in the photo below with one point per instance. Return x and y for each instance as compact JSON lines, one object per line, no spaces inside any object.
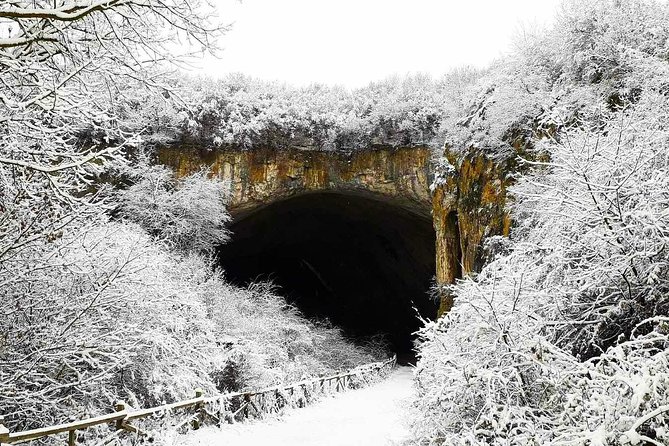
{"x":488,"y":377}
{"x":185,"y":213}
{"x":244,"y":113}
{"x":98,"y":314}
{"x":107,"y":313}
{"x":273,"y":343}
{"x":562,"y":338}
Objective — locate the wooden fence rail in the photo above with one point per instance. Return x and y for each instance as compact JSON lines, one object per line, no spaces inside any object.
{"x":256,"y":400}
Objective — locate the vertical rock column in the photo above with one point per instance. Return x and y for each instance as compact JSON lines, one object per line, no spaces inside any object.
{"x":468,"y":206}
{"x":445,"y":220}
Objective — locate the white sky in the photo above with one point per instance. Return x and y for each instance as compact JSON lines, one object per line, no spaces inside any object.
{"x":353,"y":42}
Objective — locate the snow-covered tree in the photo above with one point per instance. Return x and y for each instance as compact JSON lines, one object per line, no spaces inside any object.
{"x":243,"y":113}
{"x":187,"y":213}
{"x":64,"y":67}
{"x":562,"y":339}
{"x":65,"y":64}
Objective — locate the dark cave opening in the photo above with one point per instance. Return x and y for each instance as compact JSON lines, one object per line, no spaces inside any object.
{"x":362,"y":263}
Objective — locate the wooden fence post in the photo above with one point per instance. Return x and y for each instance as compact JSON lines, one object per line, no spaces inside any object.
{"x":71,"y":437}
{"x":4,"y":432}
{"x":119,"y":407}
{"x":199,"y":409}
{"x":247,"y":403}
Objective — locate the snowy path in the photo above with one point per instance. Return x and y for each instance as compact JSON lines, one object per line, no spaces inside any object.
{"x":374,"y":415}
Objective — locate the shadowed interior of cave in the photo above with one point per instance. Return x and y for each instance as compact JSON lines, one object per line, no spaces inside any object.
{"x":362,"y":263}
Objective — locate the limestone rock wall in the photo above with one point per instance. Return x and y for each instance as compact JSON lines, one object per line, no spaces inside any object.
{"x":482,"y":186}
{"x":468,"y":207}
{"x":445,"y":222}
{"x":260,"y":177}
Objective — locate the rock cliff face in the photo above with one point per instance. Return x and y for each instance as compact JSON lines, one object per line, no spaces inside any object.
{"x":465,"y":208}
{"x":261,"y":177}
{"x":468,"y":207}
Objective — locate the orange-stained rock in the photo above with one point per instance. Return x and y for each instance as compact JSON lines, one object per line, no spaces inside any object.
{"x":262,"y":176}
{"x":482,"y":186}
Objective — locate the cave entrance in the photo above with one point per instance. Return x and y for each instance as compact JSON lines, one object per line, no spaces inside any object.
{"x":360,"y":262}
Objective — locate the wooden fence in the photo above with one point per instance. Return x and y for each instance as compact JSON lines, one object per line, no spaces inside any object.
{"x":229,"y":406}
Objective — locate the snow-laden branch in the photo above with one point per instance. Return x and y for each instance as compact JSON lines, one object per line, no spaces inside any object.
{"x":94,"y":156}
{"x":70,"y":11}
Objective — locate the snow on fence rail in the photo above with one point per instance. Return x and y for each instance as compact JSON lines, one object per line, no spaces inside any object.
{"x":235,"y":405}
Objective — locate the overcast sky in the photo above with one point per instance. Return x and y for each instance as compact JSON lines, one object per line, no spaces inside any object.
{"x":353,"y":42}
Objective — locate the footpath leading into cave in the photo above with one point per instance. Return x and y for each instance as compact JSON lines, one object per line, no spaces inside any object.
{"x":374,"y":415}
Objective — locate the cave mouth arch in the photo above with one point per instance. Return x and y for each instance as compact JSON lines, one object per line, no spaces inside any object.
{"x":363,"y":263}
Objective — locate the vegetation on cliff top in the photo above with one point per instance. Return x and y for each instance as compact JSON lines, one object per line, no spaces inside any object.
{"x":242,"y":113}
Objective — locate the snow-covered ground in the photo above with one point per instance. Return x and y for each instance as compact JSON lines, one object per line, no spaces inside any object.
{"x":374,"y":415}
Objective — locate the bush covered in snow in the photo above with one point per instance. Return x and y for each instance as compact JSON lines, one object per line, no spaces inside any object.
{"x":188,"y":213}
{"x":244,"y":113}
{"x":135,"y":309}
{"x":598,"y":56}
{"x":562,"y":339}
